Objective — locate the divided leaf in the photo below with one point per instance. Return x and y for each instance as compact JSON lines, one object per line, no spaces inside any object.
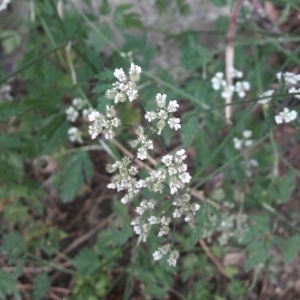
{"x":41,"y":286}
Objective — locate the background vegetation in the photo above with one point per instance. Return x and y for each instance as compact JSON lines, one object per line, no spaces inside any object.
{"x":64,"y":235}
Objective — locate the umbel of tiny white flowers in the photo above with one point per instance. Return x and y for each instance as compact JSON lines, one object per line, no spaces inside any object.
{"x":72,"y":114}
{"x":166,"y":249}
{"x":106,"y":124}
{"x":142,"y":142}
{"x":268,"y":94}
{"x":164,"y":114}
{"x":286,"y":116}
{"x":245,"y":142}
{"x":219,"y":83}
{"x":126,"y":87}
{"x":288,"y":77}
{"x":294,"y":90}
{"x":75,"y":135}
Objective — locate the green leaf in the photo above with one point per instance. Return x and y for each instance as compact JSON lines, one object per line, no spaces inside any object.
{"x":189,"y":131}
{"x":290,"y":248}
{"x":259,"y":226}
{"x":14,"y":246}
{"x":8,"y":287}
{"x":281,"y":189}
{"x":41,"y":286}
{"x":155,"y":290}
{"x":75,"y":170}
{"x":105,"y":8}
{"x":258,"y":254}
{"x":10,"y":40}
{"x":86,"y":262}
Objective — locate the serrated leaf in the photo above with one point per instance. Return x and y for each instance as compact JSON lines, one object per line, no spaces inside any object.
{"x":119,"y":237}
{"x":259,"y":226}
{"x":14,"y":246}
{"x":41,"y":286}
{"x":189,"y":131}
{"x":282,"y":188}
{"x":290,"y":248}
{"x":258,"y":253}
{"x":86,"y":262}
{"x":8,"y":287}
{"x":75,"y":170}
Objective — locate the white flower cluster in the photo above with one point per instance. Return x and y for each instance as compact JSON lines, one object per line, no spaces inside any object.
{"x":293,"y":90}
{"x":286,"y":116}
{"x":3,"y":4}
{"x":266,"y":97}
{"x":183,"y":207}
{"x":72,"y":113}
{"x":240,"y":87}
{"x":142,"y":142}
{"x":126,"y":88}
{"x":164,"y":114}
{"x":173,"y":255}
{"x":125,"y":178}
{"x":245,"y":142}
{"x":288,"y":78}
{"x":105,"y":124}
{"x":172,"y":172}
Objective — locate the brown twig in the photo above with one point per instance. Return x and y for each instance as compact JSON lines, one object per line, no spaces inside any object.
{"x":229,"y":54}
{"x":213,"y":259}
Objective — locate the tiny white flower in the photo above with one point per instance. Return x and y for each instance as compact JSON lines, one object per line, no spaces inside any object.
{"x":120,"y":75}
{"x":218,"y":81}
{"x":142,"y":153}
{"x":94,"y":115}
{"x":134,"y":72}
{"x":227,"y":91}
{"x":286,"y":116}
{"x":187,"y":219}
{"x":153,"y":220}
{"x":185,"y":177}
{"x":174,"y":187}
{"x":247,"y":134}
{"x":161,"y":100}
{"x":196,"y":207}
{"x":75,"y":135}
{"x":248,"y":143}
{"x":237,"y":143}
{"x":172,"y":260}
{"x":167,"y":160}
{"x":150,"y":116}
{"x":157,"y":255}
{"x":176,"y":213}
{"x":174,"y":123}
{"x":265,"y":94}
{"x":72,"y":114}
{"x":236,"y":73}
{"x":241,"y":87}
{"x":173,"y":106}
{"x":78,"y":103}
